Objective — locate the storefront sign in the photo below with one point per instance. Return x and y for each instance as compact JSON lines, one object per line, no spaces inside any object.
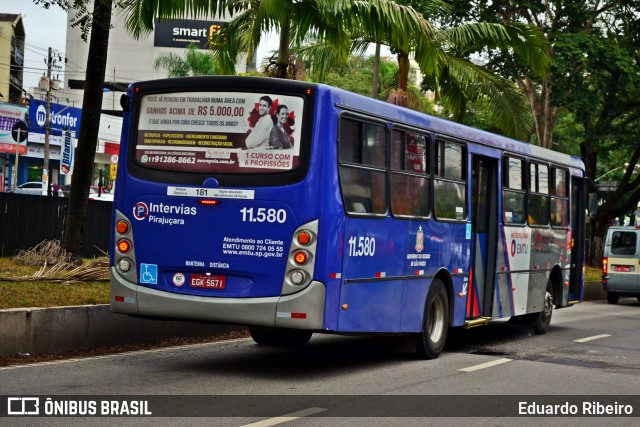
{"x":184,"y":32}
{"x":9,"y":116}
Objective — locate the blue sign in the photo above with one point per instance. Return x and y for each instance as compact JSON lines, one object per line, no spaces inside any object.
{"x":149,"y":273}
{"x":67,"y":154}
{"x":62,"y":117}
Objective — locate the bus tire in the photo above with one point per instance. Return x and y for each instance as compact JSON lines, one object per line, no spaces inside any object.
{"x":435,"y":322}
{"x":287,"y":338}
{"x":540,"y":322}
{"x":612,"y":298}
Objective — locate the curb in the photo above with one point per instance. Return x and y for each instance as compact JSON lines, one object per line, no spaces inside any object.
{"x":593,"y":291}
{"x":63,"y":329}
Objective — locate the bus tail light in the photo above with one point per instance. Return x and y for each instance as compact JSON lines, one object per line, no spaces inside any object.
{"x":124,"y":254}
{"x":122,"y":227}
{"x":124,"y":246}
{"x":301,"y":258}
{"x":304,"y":237}
{"x":605,"y":265}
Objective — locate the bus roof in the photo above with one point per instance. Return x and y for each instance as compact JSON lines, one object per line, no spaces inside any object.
{"x":404,"y":115}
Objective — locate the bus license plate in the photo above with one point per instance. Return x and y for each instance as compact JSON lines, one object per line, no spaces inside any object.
{"x":208,"y":281}
{"x":622,"y":268}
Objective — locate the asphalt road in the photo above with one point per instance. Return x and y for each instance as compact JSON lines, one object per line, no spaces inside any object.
{"x":591,"y":354}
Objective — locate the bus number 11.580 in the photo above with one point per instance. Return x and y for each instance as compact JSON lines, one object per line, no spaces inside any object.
{"x":263,"y":215}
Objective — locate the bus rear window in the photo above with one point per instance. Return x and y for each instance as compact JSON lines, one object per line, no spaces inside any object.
{"x":219,"y":132}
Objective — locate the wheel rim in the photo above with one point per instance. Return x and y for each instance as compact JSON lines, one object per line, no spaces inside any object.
{"x":548,"y":307}
{"x":436,"y":319}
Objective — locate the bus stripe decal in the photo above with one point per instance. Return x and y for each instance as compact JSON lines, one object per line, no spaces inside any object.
{"x":508,"y":274}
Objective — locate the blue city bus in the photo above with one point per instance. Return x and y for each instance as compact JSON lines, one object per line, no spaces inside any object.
{"x":295,"y":207}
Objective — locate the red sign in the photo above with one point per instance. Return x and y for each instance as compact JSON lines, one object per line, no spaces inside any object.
{"x":207,"y":281}
{"x":11,"y":148}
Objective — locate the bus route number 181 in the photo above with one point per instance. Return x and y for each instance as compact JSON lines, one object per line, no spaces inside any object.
{"x":362,"y":246}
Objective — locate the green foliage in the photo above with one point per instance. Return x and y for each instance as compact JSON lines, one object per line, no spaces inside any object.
{"x":357,"y":74}
{"x":194,"y":63}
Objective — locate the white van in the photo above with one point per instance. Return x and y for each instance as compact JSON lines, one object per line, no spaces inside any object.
{"x":621,"y":263}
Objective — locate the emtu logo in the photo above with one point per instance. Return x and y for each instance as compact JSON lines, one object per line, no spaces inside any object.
{"x":140,"y":211}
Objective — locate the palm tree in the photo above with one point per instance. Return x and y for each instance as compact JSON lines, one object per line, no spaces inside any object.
{"x":194,"y":63}
{"x":294,"y":20}
{"x":330,"y":30}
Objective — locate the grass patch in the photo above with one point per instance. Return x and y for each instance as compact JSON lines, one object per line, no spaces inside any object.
{"x":46,"y":294}
{"x":43,"y":293}
{"x":592,"y":274}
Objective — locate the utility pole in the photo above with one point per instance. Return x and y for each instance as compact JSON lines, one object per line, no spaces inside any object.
{"x":46,"y":175}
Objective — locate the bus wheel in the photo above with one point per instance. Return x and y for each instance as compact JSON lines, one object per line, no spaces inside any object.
{"x":288,"y":338}
{"x":540,"y":322}
{"x":435,"y":323}
{"x":613,"y":298}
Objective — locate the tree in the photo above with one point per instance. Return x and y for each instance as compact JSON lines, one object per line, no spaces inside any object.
{"x":194,"y":63}
{"x":294,"y":20}
{"x":333,"y":29}
{"x":357,"y":74}
{"x":98,"y":24}
{"x":594,"y":83}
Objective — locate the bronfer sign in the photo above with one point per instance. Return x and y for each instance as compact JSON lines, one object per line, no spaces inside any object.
{"x":184,"y":32}
{"x":62,"y":118}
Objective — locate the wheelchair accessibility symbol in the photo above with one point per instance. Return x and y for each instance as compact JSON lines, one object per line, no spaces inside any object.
{"x":149,"y":274}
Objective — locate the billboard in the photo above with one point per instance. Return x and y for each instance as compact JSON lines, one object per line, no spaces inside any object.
{"x":184,"y":32}
{"x":62,"y":117}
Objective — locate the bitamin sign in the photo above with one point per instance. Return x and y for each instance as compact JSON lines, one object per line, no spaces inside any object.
{"x":66,"y":161}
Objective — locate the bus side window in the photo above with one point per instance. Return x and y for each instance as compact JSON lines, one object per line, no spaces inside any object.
{"x":410,"y":174}
{"x":513,"y":193}
{"x":538,"y":196}
{"x":449,"y":189}
{"x":362,"y":171}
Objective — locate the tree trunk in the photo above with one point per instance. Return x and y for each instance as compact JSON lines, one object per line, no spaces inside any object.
{"x":88,"y":138}
{"x":376,"y":72}
{"x":400,"y":97}
{"x":544,"y":115}
{"x":283,"y":49}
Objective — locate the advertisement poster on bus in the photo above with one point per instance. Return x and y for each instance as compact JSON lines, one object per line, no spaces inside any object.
{"x":217,"y":132}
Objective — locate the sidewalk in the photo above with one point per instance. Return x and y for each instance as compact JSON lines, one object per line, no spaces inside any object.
{"x":64,"y":329}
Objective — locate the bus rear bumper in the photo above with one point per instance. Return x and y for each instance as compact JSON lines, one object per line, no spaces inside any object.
{"x":302,"y":310}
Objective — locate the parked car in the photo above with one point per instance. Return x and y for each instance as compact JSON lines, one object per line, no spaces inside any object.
{"x":621,"y":263}
{"x":105,"y":196}
{"x":33,"y":188}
